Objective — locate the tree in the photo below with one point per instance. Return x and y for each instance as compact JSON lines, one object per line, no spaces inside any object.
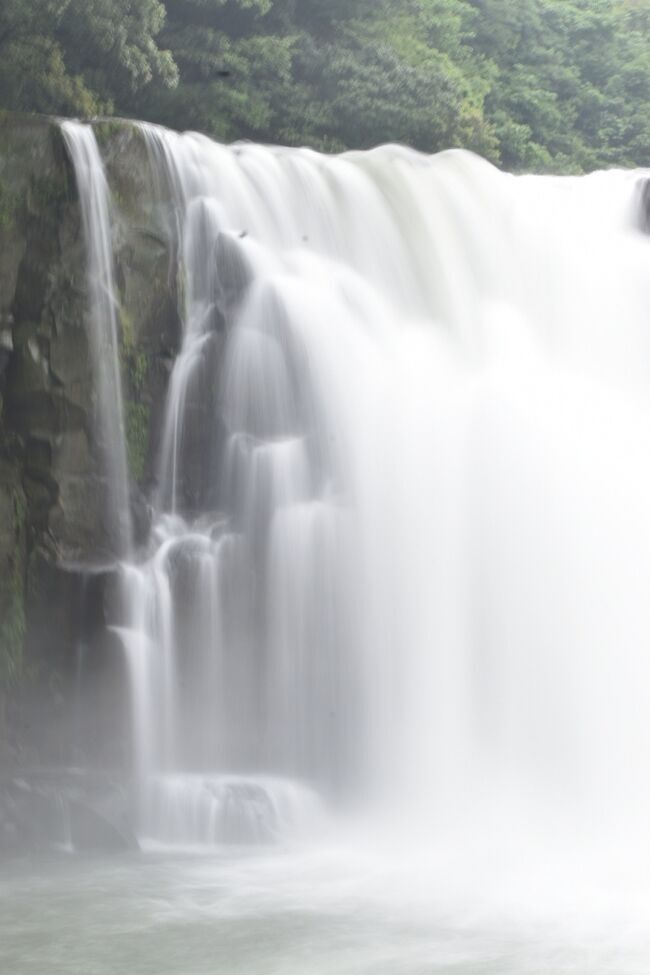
{"x":547,"y":85}
{"x":79,"y":56}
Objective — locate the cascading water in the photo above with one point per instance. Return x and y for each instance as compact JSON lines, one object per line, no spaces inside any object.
{"x":401,"y":549}
{"x":399,"y":561}
{"x":94,"y":199}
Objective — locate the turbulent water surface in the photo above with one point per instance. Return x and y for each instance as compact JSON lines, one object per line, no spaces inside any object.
{"x":397,"y":578}
{"x":329,"y":908}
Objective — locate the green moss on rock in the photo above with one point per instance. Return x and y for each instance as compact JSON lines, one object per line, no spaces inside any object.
{"x":12,"y":588}
{"x":137,"y":438}
{"x":135,"y":366}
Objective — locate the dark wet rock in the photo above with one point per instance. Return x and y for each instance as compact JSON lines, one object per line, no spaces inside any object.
{"x":234,"y":273}
{"x":93,"y":828}
{"x":65,"y":810}
{"x":53,"y":529}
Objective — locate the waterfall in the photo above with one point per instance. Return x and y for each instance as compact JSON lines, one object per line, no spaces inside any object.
{"x":401,"y":551}
{"x":94,"y":200}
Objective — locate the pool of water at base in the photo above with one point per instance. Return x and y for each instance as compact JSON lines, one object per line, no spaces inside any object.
{"x":332,"y":910}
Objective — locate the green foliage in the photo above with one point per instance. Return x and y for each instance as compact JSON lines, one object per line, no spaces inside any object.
{"x":557,"y":85}
{"x":79,"y":56}
{"x":408,"y":77}
{"x":572,"y":83}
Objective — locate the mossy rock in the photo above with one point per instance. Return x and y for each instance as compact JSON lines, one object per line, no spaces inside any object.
{"x":13,"y":509}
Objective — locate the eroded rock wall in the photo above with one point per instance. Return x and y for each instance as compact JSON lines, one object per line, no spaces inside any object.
{"x":53,"y":532}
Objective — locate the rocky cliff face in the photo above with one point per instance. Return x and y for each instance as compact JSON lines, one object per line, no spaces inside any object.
{"x":55,"y":548}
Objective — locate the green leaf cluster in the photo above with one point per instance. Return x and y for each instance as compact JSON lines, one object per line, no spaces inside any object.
{"x":551,"y":85}
{"x":80,"y":57}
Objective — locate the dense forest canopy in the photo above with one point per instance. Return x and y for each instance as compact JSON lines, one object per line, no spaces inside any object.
{"x":549,"y":85}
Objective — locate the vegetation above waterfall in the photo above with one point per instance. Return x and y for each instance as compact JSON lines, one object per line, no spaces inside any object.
{"x":550,"y":85}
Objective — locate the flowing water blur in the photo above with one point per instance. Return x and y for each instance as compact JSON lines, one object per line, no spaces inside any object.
{"x":389,"y":639}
